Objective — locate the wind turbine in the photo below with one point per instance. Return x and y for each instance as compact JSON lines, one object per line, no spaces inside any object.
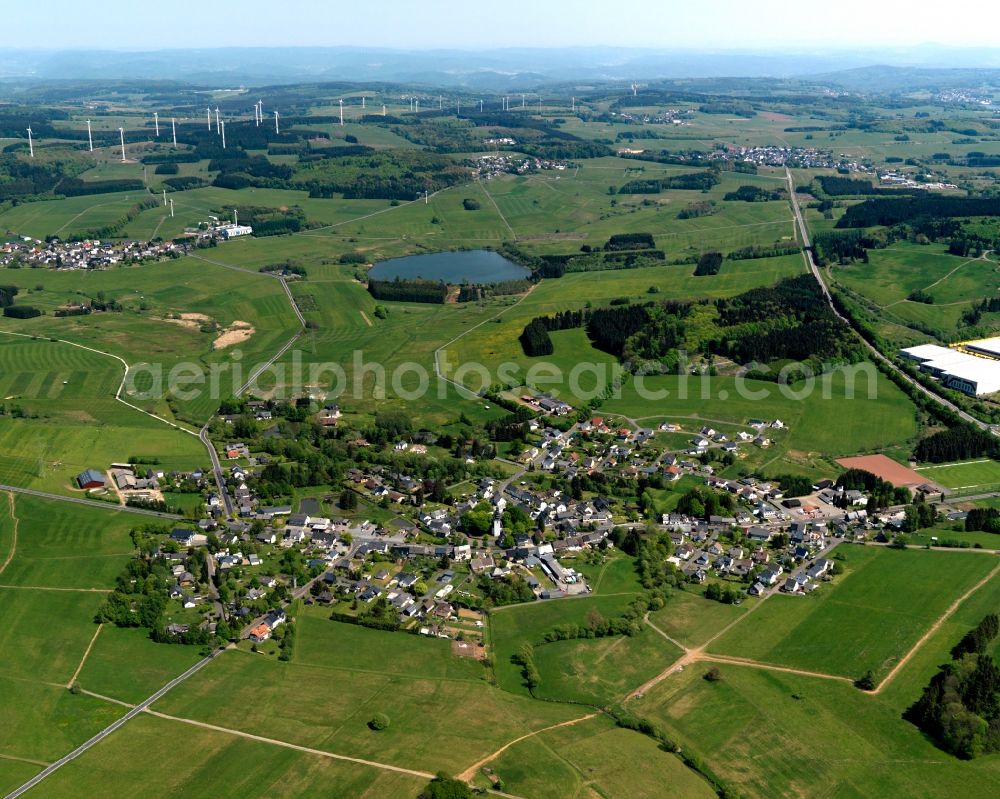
{"x":635,"y":88}
{"x":164,"y":198}
{"x":218,"y":127}
{"x":458,"y":108}
{"x":276,"y":122}
{"x":31,"y":147}
{"x":574,"y":105}
{"x":256,"y":114}
{"x":341,"y":110}
{"x":416,"y":106}
{"x":90,"y":137}
{"x":236,"y":217}
{"x":522,"y":102}
{"x":223,"y":130}
{"x":383,"y":109}
{"x":173,"y":129}
{"x":171,"y":207}
{"x":208,"y":113}
{"x":480,"y":105}
{"x":362,"y":102}
{"x":156,"y":122}
{"x":121,"y":132}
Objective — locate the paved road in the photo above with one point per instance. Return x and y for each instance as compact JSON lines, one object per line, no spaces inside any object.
{"x":132,"y":713}
{"x":91,"y":503}
{"x":875,"y":353}
{"x":220,"y":478}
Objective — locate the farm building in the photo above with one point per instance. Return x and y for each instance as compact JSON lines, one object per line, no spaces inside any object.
{"x":956,"y":369}
{"x":234,"y":231}
{"x":91,"y":479}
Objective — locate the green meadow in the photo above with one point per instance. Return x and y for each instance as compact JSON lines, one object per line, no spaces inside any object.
{"x":964,"y":475}
{"x":60,"y":545}
{"x":866,"y":619}
{"x":827,"y":421}
{"x":594,"y":758}
{"x":147,"y":753}
{"x":775,"y":734}
{"x":512,"y":626}
{"x":69,"y":420}
{"x":436,"y":720}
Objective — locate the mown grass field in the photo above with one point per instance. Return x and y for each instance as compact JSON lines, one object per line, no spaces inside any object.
{"x":594,"y":758}
{"x":125,"y":664}
{"x":44,"y":722}
{"x":953,"y":282}
{"x":867,"y":619}
{"x":233,"y":767}
{"x":601,"y":671}
{"x":773,"y":734}
{"x":14,"y":773}
{"x":692,"y":620}
{"x":436,"y":710}
{"x":68,"y":546}
{"x":512,"y":626}
{"x":824,"y":422}
{"x":61,"y":217}
{"x":70,"y":420}
{"x":495,"y":343}
{"x":964,"y":475}
{"x":616,"y":575}
{"x":389,"y":362}
{"x":141,"y":333}
{"x":46,"y":632}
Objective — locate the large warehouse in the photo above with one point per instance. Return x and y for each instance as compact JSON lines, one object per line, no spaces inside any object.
{"x":961,"y":371}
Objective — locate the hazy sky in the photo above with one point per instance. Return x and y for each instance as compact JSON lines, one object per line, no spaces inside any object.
{"x":465,"y":24}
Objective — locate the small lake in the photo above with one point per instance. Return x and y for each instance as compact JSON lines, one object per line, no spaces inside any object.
{"x":468,"y":266}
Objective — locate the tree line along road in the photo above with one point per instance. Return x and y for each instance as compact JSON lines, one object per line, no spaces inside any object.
{"x":811,"y":263}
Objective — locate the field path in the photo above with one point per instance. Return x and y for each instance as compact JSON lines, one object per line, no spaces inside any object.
{"x":13,"y":539}
{"x":497,"y":207}
{"x":756,"y":664}
{"x":470,"y":772}
{"x":86,"y":652}
{"x":90,"y":503}
{"x":158,"y":224}
{"x":23,"y":760}
{"x":288,"y":745}
{"x":365,"y":317}
{"x":674,"y":641}
{"x":57,"y":588}
{"x":220,"y":479}
{"x":87,"y":210}
{"x":437,"y":365}
{"x":933,"y":629}
{"x":315,"y":230}
{"x":121,"y":386}
{"x":691,"y":655}
{"x":100,"y":736}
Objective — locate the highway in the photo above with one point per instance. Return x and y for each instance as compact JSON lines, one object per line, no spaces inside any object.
{"x":132,"y":713}
{"x":878,"y":356}
{"x":91,"y":503}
